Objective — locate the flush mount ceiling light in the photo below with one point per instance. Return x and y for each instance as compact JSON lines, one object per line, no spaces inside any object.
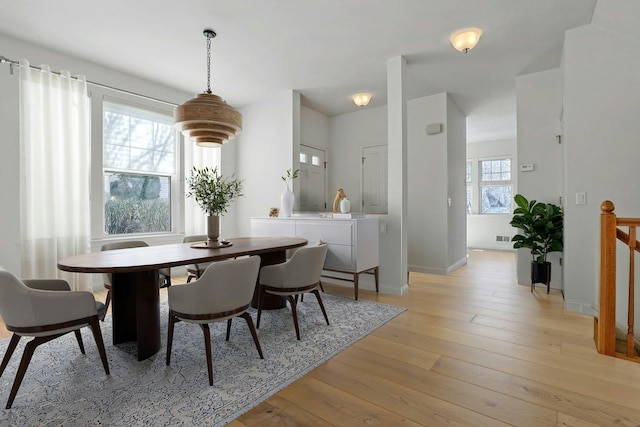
{"x":361,"y":99}
{"x":465,"y":39}
{"x":207,"y":119}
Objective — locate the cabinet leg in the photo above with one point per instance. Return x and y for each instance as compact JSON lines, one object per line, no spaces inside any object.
{"x":355,"y":284}
{"x":375,"y":275}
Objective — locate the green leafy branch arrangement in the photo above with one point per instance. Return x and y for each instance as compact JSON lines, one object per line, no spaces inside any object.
{"x":290,"y":175}
{"x":212,"y":192}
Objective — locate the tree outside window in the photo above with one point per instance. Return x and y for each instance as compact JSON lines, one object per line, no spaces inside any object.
{"x":139,"y":160}
{"x":495,"y":186}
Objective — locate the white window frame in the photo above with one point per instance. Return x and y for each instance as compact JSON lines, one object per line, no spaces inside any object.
{"x":494,"y":183}
{"x":98,"y":97}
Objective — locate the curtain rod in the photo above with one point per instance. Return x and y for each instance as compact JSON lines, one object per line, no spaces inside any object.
{"x":12,"y":63}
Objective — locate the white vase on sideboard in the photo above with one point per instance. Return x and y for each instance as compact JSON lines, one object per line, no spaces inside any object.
{"x":286,"y":202}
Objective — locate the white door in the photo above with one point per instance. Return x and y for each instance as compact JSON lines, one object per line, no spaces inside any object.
{"x":312,"y":179}
{"x":374,"y":179}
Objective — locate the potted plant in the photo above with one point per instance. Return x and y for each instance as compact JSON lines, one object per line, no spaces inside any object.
{"x":213,"y":194}
{"x":541,"y":232}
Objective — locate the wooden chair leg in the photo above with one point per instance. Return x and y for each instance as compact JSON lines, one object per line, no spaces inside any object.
{"x":170,"y":336}
{"x":97,"y":337}
{"x":207,"y":344}
{"x":106,"y":303}
{"x":294,"y":312}
{"x":10,"y":349}
{"x":79,"y":339}
{"x":29,"y":349}
{"x":246,"y":316}
{"x":260,"y":299}
{"x":317,"y":294}
{"x":228,"y":328}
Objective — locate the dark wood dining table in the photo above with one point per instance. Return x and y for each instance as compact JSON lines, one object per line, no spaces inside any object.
{"x":135,"y":292}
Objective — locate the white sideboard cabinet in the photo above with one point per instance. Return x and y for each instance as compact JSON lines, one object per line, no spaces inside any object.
{"x":353,"y":243}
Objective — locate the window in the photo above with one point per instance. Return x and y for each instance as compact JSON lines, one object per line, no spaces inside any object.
{"x":140,"y":164}
{"x":495,"y":186}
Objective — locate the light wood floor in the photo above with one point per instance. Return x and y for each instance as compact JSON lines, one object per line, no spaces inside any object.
{"x":473,"y":348}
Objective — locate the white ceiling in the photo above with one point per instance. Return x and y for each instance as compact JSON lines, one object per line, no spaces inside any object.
{"x":326,"y":49}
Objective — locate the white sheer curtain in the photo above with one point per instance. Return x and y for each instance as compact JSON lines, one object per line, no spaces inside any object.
{"x":55,"y":154}
{"x":195,"y":221}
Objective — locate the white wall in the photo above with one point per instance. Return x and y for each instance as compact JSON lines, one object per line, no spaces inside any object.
{"x":482,"y":229}
{"x":428,"y":190}
{"x":457,"y":188}
{"x":539,"y":112}
{"x":348,"y":134}
{"x":437,"y":232}
{"x":314,"y":129}
{"x":265,"y":150}
{"x":314,"y":132}
{"x":434,"y":163}
{"x":601,"y":127}
{"x":10,"y":137}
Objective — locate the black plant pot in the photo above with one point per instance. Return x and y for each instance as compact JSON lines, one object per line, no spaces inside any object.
{"x":540,"y":273}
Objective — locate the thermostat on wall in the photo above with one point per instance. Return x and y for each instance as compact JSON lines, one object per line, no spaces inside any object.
{"x":434,"y":129}
{"x":527,"y":167}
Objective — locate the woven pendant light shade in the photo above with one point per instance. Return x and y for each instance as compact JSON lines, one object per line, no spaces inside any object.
{"x":207,"y":120}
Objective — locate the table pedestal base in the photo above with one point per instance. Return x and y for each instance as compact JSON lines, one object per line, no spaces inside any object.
{"x":136,"y":311}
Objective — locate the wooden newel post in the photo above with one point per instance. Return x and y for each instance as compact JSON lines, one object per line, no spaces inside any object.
{"x":606,"y":339}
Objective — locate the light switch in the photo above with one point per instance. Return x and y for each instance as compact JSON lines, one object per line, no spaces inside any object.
{"x":581,"y":198}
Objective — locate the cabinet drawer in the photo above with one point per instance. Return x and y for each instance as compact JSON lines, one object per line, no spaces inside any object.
{"x":338,"y":232}
{"x":262,"y":228}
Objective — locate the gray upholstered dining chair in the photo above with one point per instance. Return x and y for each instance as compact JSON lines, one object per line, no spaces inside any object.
{"x":291,"y":279}
{"x":45,"y":310}
{"x":164,"y":273}
{"x":222,"y":292}
{"x":194,"y":271}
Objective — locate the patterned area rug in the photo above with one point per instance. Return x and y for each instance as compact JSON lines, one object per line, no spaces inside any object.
{"x":63,"y":387}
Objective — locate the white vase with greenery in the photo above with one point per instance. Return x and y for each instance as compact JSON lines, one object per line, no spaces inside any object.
{"x":287,"y":197}
{"x":213,"y":194}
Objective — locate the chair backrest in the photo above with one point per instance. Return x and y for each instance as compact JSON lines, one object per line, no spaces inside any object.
{"x":106,"y":277}
{"x":194,"y":238}
{"x":225,"y":285}
{"x":123,"y":245}
{"x":305,"y":266}
{"x":15,"y":304}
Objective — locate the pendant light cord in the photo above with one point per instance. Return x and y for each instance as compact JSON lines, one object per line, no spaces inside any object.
{"x":208,"y":65}
{"x":209,"y":34}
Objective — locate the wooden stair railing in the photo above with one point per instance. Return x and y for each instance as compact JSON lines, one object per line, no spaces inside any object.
{"x":605,"y":331}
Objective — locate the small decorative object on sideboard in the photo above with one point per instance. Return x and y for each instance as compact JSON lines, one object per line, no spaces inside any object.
{"x":287,"y":197}
{"x":274,"y":212}
{"x":340,"y":195}
{"x":541,"y":227}
{"x":213,"y":194}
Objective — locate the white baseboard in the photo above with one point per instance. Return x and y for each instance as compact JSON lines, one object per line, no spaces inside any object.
{"x":441,"y":271}
{"x":580,"y":307}
{"x":428,"y":270}
{"x":456,"y":265}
